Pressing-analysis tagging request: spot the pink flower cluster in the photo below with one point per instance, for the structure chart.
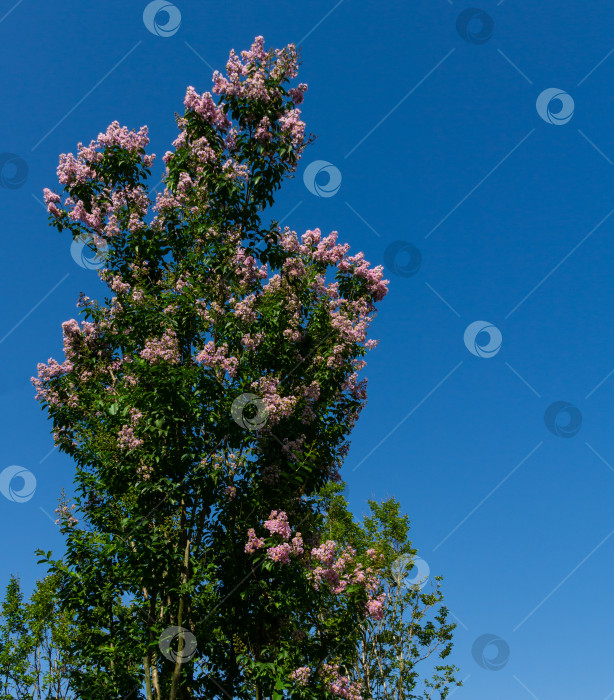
(53, 369)
(251, 343)
(235, 170)
(293, 126)
(145, 471)
(45, 373)
(337, 572)
(301, 675)
(127, 440)
(117, 135)
(77, 171)
(217, 358)
(244, 309)
(343, 571)
(163, 349)
(118, 285)
(373, 276)
(325, 250)
(341, 685)
(375, 607)
(312, 391)
(253, 542)
(297, 94)
(71, 171)
(357, 389)
(337, 684)
(206, 108)
(66, 516)
(277, 524)
(107, 204)
(203, 151)
(293, 446)
(312, 394)
(332, 571)
(278, 406)
(248, 269)
(263, 133)
(249, 77)
(76, 337)
(93, 220)
(52, 200)
(250, 69)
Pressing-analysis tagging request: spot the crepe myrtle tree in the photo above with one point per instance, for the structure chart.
(211, 395)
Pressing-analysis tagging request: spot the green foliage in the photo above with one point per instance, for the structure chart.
(34, 638)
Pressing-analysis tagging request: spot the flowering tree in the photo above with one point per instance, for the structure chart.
(205, 404)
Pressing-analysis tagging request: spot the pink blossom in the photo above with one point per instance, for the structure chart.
(340, 685)
(75, 337)
(373, 276)
(280, 553)
(251, 343)
(163, 349)
(247, 268)
(292, 125)
(297, 94)
(301, 675)
(325, 553)
(127, 439)
(217, 358)
(293, 446)
(66, 516)
(296, 545)
(278, 406)
(206, 108)
(203, 151)
(120, 136)
(117, 285)
(235, 171)
(312, 391)
(278, 522)
(253, 542)
(263, 133)
(244, 309)
(144, 471)
(375, 608)
(73, 172)
(51, 199)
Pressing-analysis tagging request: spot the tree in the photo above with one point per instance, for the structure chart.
(409, 629)
(212, 395)
(33, 638)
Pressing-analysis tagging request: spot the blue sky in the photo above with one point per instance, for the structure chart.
(439, 144)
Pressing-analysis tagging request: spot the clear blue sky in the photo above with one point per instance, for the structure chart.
(439, 144)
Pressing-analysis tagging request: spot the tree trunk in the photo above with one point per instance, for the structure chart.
(182, 604)
(147, 676)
